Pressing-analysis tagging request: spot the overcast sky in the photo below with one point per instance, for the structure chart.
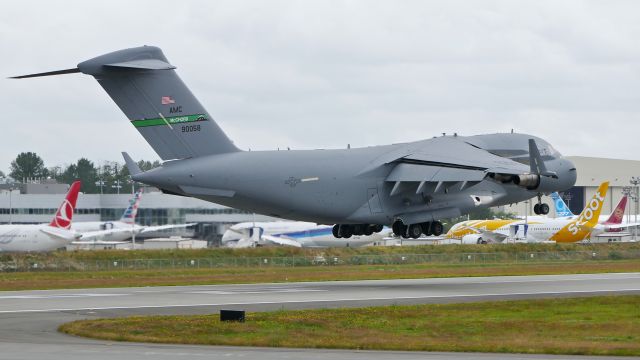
(321, 74)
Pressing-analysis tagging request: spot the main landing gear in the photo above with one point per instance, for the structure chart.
(415, 230)
(540, 208)
(348, 230)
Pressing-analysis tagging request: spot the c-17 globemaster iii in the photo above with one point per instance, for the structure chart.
(410, 186)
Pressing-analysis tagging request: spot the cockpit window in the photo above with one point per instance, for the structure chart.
(549, 150)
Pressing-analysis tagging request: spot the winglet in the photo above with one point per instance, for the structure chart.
(536, 162)
(133, 167)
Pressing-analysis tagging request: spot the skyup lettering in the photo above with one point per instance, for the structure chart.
(587, 214)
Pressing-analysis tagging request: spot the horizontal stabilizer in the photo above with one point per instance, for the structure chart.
(48, 73)
(146, 64)
(133, 167)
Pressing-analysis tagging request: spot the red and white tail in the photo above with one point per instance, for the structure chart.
(64, 215)
(618, 213)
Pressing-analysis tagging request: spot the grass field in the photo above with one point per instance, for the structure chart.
(598, 326)
(291, 251)
(235, 275)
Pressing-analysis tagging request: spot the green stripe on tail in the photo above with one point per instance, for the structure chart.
(171, 120)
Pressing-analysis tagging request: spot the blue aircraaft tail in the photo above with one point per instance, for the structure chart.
(147, 89)
(562, 210)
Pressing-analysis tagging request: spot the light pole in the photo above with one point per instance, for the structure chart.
(567, 197)
(635, 181)
(526, 220)
(133, 223)
(10, 204)
(117, 186)
(626, 191)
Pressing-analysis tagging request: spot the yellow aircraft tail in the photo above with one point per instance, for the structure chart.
(580, 228)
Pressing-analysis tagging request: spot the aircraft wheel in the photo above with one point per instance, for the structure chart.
(426, 228)
(544, 209)
(377, 228)
(336, 231)
(358, 229)
(398, 228)
(415, 230)
(368, 230)
(437, 228)
(536, 209)
(346, 231)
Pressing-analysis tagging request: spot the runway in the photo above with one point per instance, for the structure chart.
(28, 319)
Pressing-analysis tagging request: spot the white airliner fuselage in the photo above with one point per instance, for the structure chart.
(291, 233)
(33, 238)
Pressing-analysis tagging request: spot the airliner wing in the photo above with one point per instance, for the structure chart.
(620, 226)
(90, 236)
(165, 227)
(488, 234)
(281, 241)
(60, 233)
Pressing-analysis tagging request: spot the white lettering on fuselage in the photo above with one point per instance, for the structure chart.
(587, 214)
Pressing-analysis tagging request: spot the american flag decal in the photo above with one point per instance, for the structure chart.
(166, 100)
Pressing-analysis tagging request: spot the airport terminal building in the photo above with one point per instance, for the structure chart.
(36, 203)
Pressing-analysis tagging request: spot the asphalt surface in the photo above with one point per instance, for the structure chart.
(29, 319)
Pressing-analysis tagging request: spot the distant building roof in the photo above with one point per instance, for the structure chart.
(594, 170)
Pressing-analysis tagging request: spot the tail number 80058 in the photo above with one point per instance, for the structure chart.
(190, 128)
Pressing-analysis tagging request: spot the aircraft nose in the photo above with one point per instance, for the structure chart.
(230, 235)
(570, 174)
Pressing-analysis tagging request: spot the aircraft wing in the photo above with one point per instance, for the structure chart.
(444, 164)
(91, 236)
(60, 233)
(620, 226)
(488, 234)
(165, 227)
(281, 241)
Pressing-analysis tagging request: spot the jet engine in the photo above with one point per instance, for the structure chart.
(473, 239)
(534, 182)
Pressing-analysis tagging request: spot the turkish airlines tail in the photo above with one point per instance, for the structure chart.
(64, 215)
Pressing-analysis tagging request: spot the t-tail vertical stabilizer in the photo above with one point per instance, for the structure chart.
(148, 90)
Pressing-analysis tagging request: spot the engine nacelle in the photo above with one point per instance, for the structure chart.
(473, 239)
(536, 182)
(529, 181)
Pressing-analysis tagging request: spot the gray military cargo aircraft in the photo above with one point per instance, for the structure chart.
(410, 186)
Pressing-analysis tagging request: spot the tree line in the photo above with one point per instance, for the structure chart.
(108, 178)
